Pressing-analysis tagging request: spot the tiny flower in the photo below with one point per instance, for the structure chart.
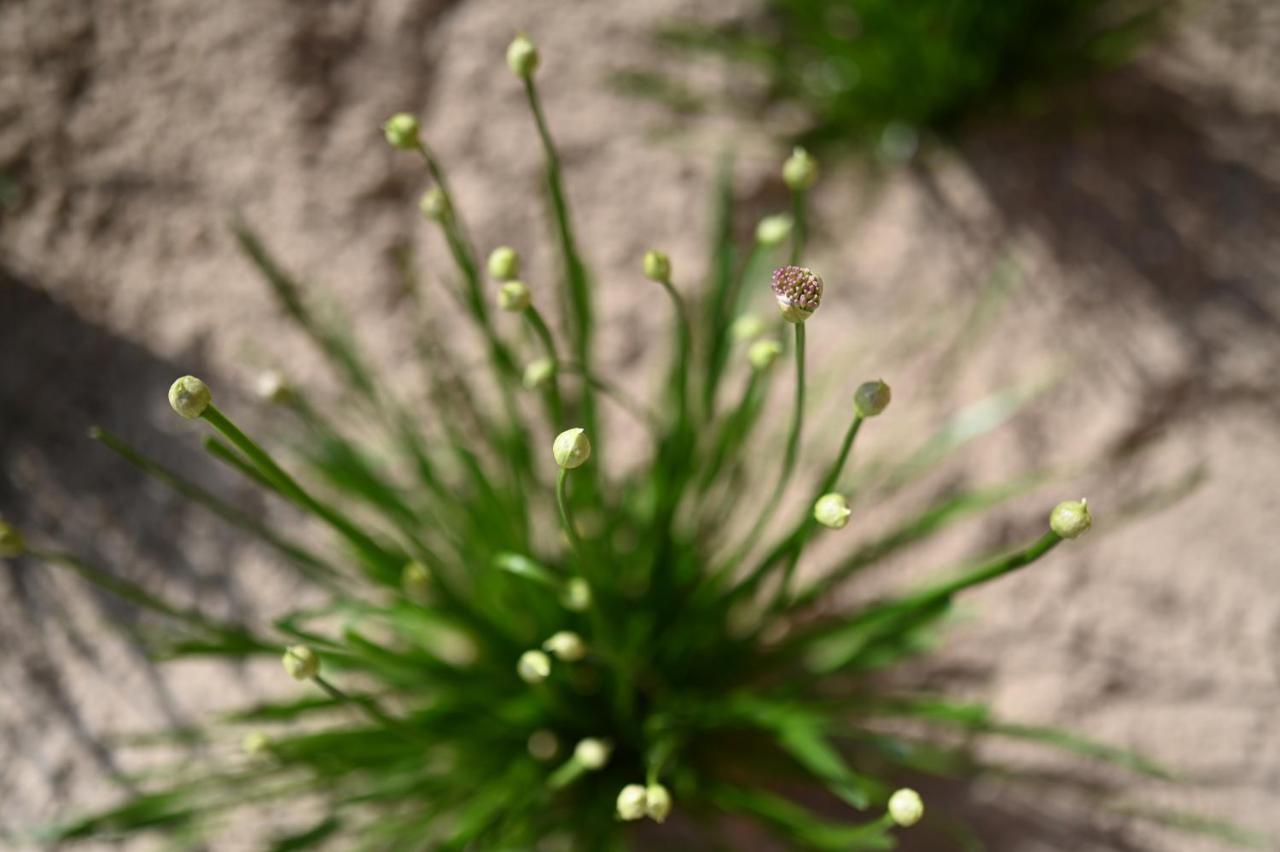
(773, 231)
(271, 387)
(566, 645)
(301, 662)
(416, 581)
(571, 448)
(402, 131)
(906, 807)
(800, 170)
(513, 296)
(543, 744)
(798, 290)
(189, 397)
(11, 542)
(592, 753)
(657, 802)
(746, 328)
(504, 263)
(522, 57)
(435, 204)
(763, 353)
(539, 373)
(832, 510)
(533, 666)
(1071, 519)
(631, 802)
(577, 595)
(657, 267)
(256, 743)
(871, 398)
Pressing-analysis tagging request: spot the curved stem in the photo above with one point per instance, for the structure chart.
(548, 343)
(566, 516)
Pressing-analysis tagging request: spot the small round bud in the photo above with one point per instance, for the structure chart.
(533, 666)
(571, 448)
(256, 743)
(416, 581)
(773, 231)
(800, 170)
(513, 296)
(435, 205)
(592, 753)
(657, 802)
(746, 328)
(657, 267)
(189, 397)
(504, 263)
(763, 353)
(1071, 519)
(522, 57)
(798, 290)
(631, 802)
(566, 645)
(12, 543)
(301, 662)
(271, 387)
(539, 373)
(402, 131)
(906, 808)
(543, 744)
(577, 595)
(871, 398)
(832, 510)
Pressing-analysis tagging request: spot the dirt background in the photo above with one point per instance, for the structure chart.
(1141, 214)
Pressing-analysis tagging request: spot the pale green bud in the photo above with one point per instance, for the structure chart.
(416, 581)
(435, 205)
(566, 645)
(631, 802)
(504, 263)
(272, 387)
(773, 231)
(256, 743)
(571, 448)
(746, 328)
(301, 662)
(533, 666)
(189, 397)
(906, 808)
(539, 373)
(522, 56)
(763, 353)
(1071, 519)
(543, 744)
(832, 510)
(577, 595)
(657, 267)
(657, 802)
(800, 170)
(592, 753)
(402, 131)
(513, 296)
(12, 543)
(871, 398)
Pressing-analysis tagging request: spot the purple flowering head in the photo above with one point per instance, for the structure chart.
(798, 290)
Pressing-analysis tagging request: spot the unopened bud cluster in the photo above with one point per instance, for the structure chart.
(798, 291)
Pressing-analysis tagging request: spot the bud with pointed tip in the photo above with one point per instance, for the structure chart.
(504, 263)
(871, 398)
(577, 595)
(416, 581)
(1071, 519)
(539, 373)
(657, 267)
(513, 296)
(773, 231)
(256, 743)
(746, 328)
(12, 543)
(522, 57)
(798, 290)
(402, 131)
(301, 662)
(763, 353)
(566, 645)
(800, 170)
(657, 802)
(592, 753)
(435, 205)
(189, 397)
(832, 510)
(533, 666)
(571, 448)
(631, 802)
(906, 808)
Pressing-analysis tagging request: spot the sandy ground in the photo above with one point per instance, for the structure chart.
(1142, 218)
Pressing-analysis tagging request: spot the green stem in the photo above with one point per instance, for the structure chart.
(369, 707)
(540, 328)
(800, 227)
(626, 402)
(566, 517)
(685, 344)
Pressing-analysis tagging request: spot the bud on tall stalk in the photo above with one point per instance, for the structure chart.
(798, 291)
(189, 397)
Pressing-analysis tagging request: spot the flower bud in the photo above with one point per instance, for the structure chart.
(763, 353)
(798, 290)
(416, 581)
(271, 387)
(746, 328)
(435, 205)
(1071, 519)
(189, 397)
(657, 802)
(832, 510)
(657, 267)
(571, 448)
(11, 542)
(773, 231)
(577, 595)
(256, 743)
(543, 744)
(592, 753)
(631, 802)
(513, 296)
(301, 662)
(906, 807)
(504, 263)
(522, 56)
(533, 666)
(402, 131)
(871, 398)
(800, 170)
(539, 373)
(566, 645)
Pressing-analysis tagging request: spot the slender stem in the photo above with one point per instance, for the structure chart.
(123, 589)
(540, 328)
(566, 516)
(800, 226)
(733, 431)
(367, 706)
(685, 337)
(626, 402)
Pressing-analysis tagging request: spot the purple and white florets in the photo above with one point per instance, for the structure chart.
(799, 292)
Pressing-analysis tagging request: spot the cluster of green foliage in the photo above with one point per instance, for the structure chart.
(518, 649)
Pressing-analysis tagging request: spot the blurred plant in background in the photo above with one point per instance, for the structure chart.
(516, 646)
